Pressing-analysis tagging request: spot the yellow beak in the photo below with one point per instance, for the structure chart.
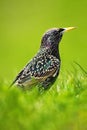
(69, 28)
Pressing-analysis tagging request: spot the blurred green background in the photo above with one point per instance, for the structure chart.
(22, 24)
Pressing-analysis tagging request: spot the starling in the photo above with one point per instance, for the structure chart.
(44, 68)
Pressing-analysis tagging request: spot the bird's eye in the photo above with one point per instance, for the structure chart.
(61, 30)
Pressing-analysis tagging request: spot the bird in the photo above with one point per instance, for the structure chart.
(43, 69)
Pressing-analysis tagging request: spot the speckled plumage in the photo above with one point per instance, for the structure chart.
(44, 68)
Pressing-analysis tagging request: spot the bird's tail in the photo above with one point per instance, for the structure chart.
(16, 79)
(12, 83)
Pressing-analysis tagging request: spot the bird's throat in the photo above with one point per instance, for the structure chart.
(55, 51)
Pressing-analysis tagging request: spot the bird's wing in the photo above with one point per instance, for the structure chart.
(38, 69)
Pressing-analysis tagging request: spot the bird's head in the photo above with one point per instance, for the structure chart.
(53, 36)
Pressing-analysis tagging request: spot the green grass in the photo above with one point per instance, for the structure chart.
(63, 107)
